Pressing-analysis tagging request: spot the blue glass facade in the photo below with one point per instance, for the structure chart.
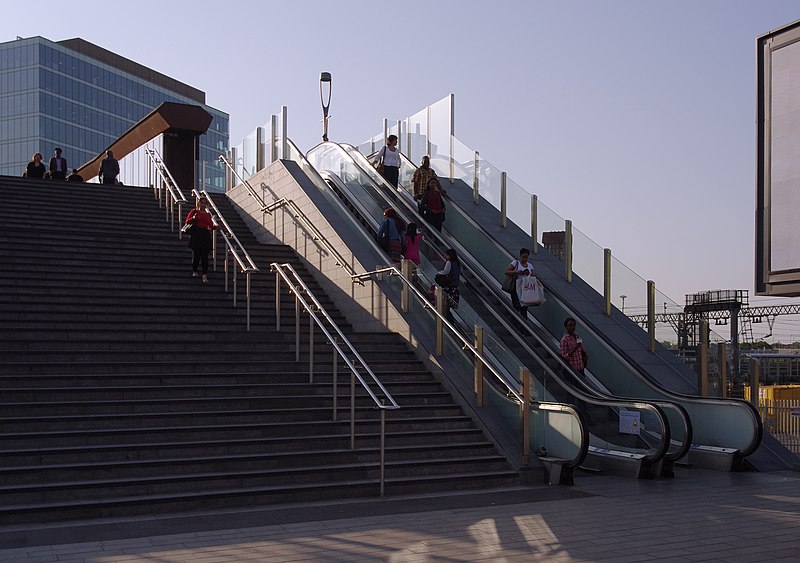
(53, 96)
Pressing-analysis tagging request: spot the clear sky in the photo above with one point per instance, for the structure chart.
(635, 119)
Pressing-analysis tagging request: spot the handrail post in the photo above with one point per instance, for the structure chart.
(440, 307)
(235, 276)
(479, 366)
(405, 266)
(310, 348)
(352, 410)
(525, 377)
(651, 315)
(702, 359)
(534, 223)
(247, 275)
(503, 201)
(452, 107)
(180, 215)
(296, 326)
(226, 270)
(607, 281)
(383, 450)
(277, 301)
(568, 250)
(335, 381)
(214, 248)
(476, 179)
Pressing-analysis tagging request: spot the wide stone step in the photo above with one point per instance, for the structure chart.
(251, 496)
(220, 430)
(409, 445)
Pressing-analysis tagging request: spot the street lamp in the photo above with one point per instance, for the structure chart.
(325, 89)
(623, 297)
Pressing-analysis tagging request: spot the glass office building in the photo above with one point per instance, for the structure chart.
(80, 97)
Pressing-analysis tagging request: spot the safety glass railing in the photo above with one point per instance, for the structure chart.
(344, 352)
(233, 249)
(165, 189)
(329, 157)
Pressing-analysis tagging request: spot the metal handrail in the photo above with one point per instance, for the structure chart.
(245, 262)
(393, 271)
(228, 234)
(176, 195)
(318, 236)
(280, 273)
(250, 189)
(392, 403)
(297, 212)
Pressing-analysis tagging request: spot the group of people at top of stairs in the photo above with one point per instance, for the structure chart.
(57, 169)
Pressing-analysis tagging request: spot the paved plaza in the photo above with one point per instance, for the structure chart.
(697, 516)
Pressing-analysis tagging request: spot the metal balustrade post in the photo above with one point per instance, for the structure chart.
(335, 381)
(428, 131)
(568, 250)
(405, 268)
(284, 132)
(180, 219)
(226, 271)
(476, 179)
(352, 410)
(441, 308)
(607, 281)
(273, 152)
(310, 348)
(247, 275)
(452, 116)
(385, 131)
(534, 224)
(214, 249)
(235, 276)
(651, 315)
(399, 136)
(383, 450)
(277, 301)
(479, 366)
(503, 201)
(525, 377)
(408, 143)
(296, 326)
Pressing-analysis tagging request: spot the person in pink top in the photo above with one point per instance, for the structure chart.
(413, 238)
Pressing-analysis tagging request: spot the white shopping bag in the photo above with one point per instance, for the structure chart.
(529, 291)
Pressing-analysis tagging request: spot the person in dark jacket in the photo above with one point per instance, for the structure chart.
(58, 166)
(200, 241)
(35, 168)
(109, 169)
(432, 205)
(74, 177)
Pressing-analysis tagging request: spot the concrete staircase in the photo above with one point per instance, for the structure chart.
(128, 387)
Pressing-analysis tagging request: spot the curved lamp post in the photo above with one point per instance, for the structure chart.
(623, 297)
(325, 89)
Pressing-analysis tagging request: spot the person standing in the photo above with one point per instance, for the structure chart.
(35, 168)
(413, 238)
(572, 347)
(58, 166)
(200, 241)
(449, 279)
(517, 268)
(74, 177)
(109, 169)
(422, 176)
(390, 234)
(432, 205)
(389, 158)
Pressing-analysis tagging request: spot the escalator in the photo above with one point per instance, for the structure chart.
(649, 449)
(726, 431)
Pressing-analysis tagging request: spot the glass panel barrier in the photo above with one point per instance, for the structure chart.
(418, 133)
(439, 133)
(518, 204)
(463, 163)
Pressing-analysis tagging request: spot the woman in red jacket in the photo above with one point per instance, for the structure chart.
(200, 236)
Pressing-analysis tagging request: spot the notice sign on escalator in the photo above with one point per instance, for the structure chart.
(629, 422)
